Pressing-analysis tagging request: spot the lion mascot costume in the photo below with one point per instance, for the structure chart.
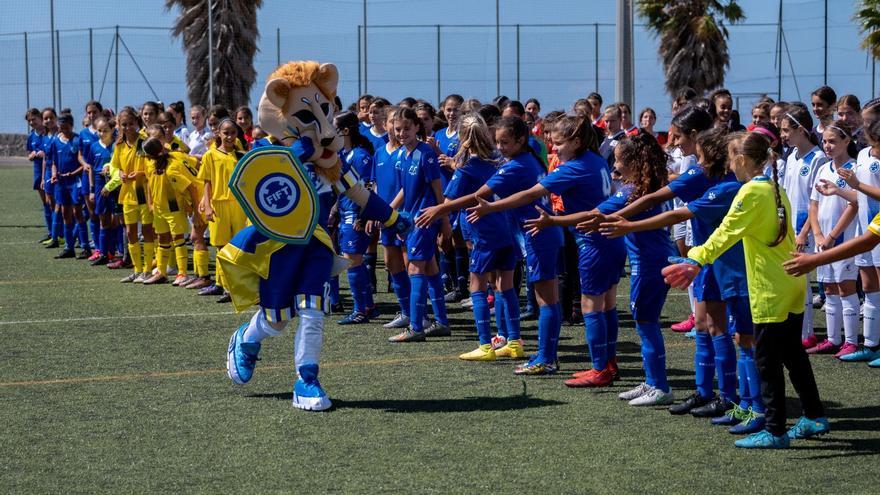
(284, 260)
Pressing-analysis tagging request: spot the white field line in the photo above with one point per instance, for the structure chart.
(115, 317)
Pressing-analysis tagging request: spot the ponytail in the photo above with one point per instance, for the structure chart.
(578, 127)
(154, 149)
(756, 147)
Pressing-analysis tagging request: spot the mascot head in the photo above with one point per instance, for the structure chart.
(299, 101)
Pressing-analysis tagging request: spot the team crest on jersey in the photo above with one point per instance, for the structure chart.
(277, 194)
(712, 196)
(416, 155)
(692, 171)
(805, 171)
(874, 168)
(841, 182)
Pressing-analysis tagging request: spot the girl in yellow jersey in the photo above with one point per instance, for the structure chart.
(171, 140)
(776, 299)
(128, 159)
(223, 213)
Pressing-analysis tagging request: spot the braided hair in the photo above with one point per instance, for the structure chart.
(756, 147)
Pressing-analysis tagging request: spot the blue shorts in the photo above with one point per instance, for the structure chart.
(105, 205)
(421, 244)
(49, 188)
(599, 266)
(67, 193)
(84, 185)
(488, 260)
(351, 241)
(647, 296)
(739, 315)
(466, 232)
(387, 237)
(705, 285)
(38, 175)
(297, 275)
(542, 262)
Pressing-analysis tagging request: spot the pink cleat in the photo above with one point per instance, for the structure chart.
(810, 342)
(685, 326)
(824, 347)
(846, 349)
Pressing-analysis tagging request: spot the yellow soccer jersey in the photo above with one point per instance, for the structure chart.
(177, 144)
(162, 194)
(217, 168)
(874, 226)
(182, 173)
(128, 158)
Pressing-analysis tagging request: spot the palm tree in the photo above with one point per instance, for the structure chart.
(868, 18)
(235, 37)
(693, 40)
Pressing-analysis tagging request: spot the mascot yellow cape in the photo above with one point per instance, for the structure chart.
(284, 260)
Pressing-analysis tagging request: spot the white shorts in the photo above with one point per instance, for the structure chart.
(838, 271)
(689, 236)
(868, 258)
(679, 231)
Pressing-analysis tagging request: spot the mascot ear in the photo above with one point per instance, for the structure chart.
(277, 90)
(328, 80)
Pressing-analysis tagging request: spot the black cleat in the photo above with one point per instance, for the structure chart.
(693, 401)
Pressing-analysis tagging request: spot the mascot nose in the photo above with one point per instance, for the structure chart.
(326, 141)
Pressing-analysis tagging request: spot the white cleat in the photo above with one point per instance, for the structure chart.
(637, 392)
(655, 397)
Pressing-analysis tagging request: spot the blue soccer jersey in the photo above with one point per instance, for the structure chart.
(35, 144)
(362, 163)
(385, 173)
(418, 169)
(64, 155)
(448, 145)
(493, 230)
(710, 209)
(100, 156)
(47, 149)
(378, 142)
(649, 250)
(86, 138)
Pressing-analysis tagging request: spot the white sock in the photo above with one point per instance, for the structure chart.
(871, 320)
(309, 337)
(259, 328)
(807, 329)
(691, 297)
(851, 318)
(834, 317)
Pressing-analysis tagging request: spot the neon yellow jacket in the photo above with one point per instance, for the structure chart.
(752, 218)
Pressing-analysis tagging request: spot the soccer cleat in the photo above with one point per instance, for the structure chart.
(45, 239)
(818, 301)
(592, 379)
(468, 304)
(225, 298)
(810, 342)
(180, 280)
(157, 278)
(307, 392)
(535, 368)
(846, 349)
(140, 278)
(52, 244)
(408, 335)
(95, 255)
(763, 440)
(453, 296)
(862, 354)
(498, 342)
(400, 321)
(241, 357)
(211, 290)
(129, 278)
(753, 423)
(692, 401)
(528, 314)
(824, 347)
(438, 330)
(513, 349)
(115, 264)
(685, 326)
(875, 363)
(482, 353)
(374, 312)
(354, 318)
(734, 416)
(640, 390)
(85, 254)
(717, 407)
(691, 334)
(199, 283)
(615, 370)
(67, 253)
(654, 397)
(806, 428)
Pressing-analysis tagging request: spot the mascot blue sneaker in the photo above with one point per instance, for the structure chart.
(307, 391)
(241, 357)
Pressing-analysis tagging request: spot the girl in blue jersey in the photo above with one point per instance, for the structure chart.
(518, 183)
(63, 160)
(583, 181)
(357, 154)
(420, 188)
(641, 163)
(50, 124)
(105, 202)
(377, 132)
(87, 137)
(493, 251)
(35, 153)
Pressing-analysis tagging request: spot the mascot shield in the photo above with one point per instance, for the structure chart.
(276, 194)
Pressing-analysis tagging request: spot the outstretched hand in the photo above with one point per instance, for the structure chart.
(799, 264)
(482, 209)
(615, 226)
(428, 215)
(681, 272)
(535, 225)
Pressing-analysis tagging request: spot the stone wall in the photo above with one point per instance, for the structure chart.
(13, 144)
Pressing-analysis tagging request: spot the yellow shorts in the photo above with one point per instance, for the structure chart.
(174, 222)
(137, 214)
(229, 218)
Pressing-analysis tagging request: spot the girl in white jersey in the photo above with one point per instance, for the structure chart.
(801, 167)
(832, 218)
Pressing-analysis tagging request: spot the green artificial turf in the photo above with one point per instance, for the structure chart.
(106, 387)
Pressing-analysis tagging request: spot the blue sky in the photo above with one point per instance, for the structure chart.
(557, 64)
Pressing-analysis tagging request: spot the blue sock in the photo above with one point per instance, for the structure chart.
(597, 339)
(743, 380)
(704, 365)
(531, 300)
(57, 225)
(47, 218)
(68, 236)
(104, 241)
(556, 326)
(482, 318)
(754, 379)
(725, 366)
(368, 288)
(400, 284)
(545, 334)
(83, 235)
(95, 227)
(435, 291)
(653, 354)
(121, 240)
(501, 315)
(511, 312)
(357, 281)
(611, 327)
(417, 297)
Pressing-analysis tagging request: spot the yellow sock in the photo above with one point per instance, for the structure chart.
(134, 250)
(182, 256)
(149, 254)
(220, 278)
(162, 258)
(200, 263)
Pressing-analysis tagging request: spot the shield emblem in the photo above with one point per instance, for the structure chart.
(275, 191)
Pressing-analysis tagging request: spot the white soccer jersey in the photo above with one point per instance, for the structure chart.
(868, 172)
(800, 175)
(831, 207)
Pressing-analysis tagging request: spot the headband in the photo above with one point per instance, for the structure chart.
(845, 134)
(766, 132)
(796, 122)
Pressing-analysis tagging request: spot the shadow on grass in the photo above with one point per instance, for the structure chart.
(467, 404)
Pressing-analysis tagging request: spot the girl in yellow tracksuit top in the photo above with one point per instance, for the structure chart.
(776, 297)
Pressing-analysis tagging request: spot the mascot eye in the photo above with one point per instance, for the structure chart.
(325, 107)
(305, 116)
